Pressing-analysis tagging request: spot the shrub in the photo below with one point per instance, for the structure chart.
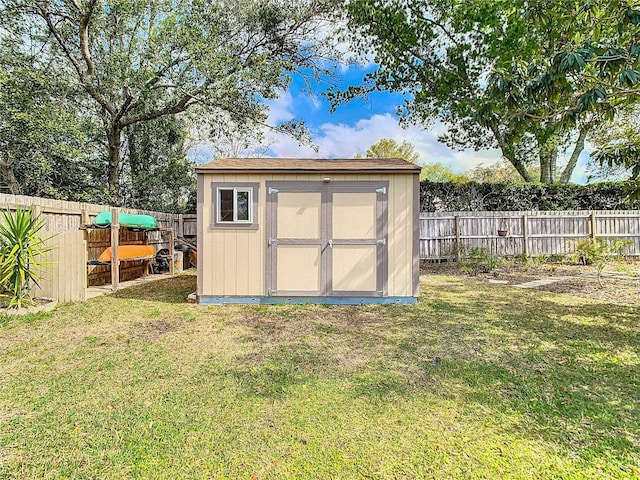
(599, 251)
(473, 196)
(480, 260)
(21, 249)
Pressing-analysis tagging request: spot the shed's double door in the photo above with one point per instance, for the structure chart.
(327, 239)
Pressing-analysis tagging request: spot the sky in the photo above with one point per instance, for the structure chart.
(352, 128)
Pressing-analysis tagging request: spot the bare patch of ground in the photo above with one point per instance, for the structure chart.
(152, 330)
(34, 305)
(620, 280)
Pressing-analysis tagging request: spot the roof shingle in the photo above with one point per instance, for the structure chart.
(310, 164)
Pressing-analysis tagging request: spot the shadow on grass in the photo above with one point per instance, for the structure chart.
(170, 290)
(567, 367)
(270, 376)
(569, 370)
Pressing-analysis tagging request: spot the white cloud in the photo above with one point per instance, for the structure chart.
(280, 109)
(341, 140)
(344, 141)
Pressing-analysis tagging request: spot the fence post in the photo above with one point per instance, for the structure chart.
(180, 226)
(115, 242)
(37, 213)
(525, 235)
(84, 217)
(592, 225)
(456, 226)
(172, 263)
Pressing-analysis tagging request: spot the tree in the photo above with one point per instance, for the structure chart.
(436, 172)
(157, 174)
(588, 73)
(389, 148)
(498, 172)
(42, 133)
(225, 139)
(504, 74)
(141, 60)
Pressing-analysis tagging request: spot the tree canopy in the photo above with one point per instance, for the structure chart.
(43, 137)
(436, 172)
(618, 143)
(529, 77)
(138, 61)
(498, 172)
(390, 148)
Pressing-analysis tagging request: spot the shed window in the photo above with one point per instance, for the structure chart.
(235, 205)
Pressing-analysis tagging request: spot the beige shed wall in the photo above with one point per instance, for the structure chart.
(232, 262)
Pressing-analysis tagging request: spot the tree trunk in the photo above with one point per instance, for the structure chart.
(134, 161)
(553, 161)
(6, 172)
(545, 164)
(114, 136)
(573, 160)
(522, 170)
(509, 154)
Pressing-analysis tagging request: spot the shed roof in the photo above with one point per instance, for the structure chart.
(390, 165)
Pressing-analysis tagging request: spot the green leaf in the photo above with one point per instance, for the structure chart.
(633, 16)
(21, 249)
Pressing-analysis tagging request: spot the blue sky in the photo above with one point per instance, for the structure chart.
(355, 126)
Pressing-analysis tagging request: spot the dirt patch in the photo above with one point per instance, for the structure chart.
(35, 306)
(620, 280)
(152, 330)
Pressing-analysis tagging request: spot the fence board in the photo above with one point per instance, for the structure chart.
(64, 272)
(545, 233)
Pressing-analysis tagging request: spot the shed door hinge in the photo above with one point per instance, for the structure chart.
(272, 241)
(381, 241)
(382, 190)
(380, 292)
(271, 292)
(273, 190)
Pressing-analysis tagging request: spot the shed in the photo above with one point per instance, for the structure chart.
(275, 230)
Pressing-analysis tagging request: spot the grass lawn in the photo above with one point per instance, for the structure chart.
(476, 381)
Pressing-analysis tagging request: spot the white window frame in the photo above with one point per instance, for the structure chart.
(235, 220)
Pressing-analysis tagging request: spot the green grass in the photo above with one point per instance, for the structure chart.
(476, 381)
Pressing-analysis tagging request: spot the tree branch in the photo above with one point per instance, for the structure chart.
(6, 173)
(180, 106)
(84, 37)
(506, 150)
(84, 80)
(123, 109)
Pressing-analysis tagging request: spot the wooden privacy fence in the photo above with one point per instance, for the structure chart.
(64, 216)
(450, 235)
(65, 276)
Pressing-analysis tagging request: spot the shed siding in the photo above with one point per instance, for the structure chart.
(400, 235)
(232, 262)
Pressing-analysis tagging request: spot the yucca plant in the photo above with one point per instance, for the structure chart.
(21, 253)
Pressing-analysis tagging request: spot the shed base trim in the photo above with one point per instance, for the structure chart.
(258, 300)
